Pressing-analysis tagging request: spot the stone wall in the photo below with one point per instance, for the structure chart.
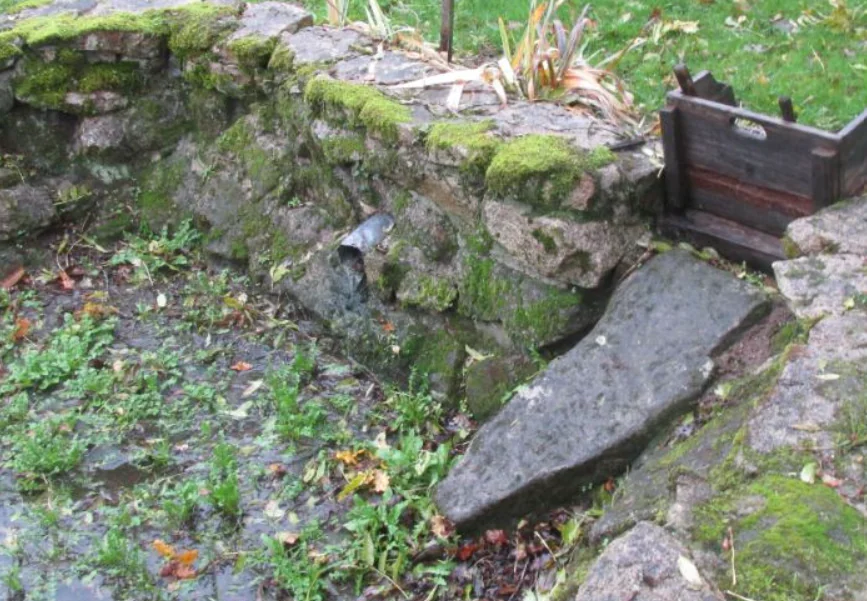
(280, 137)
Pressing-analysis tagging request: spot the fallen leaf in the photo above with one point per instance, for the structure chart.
(277, 470)
(252, 388)
(381, 481)
(188, 557)
(441, 526)
(66, 282)
(241, 366)
(467, 551)
(360, 479)
(349, 457)
(184, 572)
(689, 572)
(163, 548)
(287, 538)
(496, 537)
(22, 328)
(162, 301)
(610, 486)
(273, 511)
(808, 473)
(388, 327)
(831, 481)
(10, 281)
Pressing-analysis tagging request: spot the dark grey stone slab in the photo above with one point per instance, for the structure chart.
(592, 410)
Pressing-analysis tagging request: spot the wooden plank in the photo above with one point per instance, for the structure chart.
(732, 240)
(676, 191)
(781, 160)
(853, 155)
(710, 89)
(826, 178)
(767, 210)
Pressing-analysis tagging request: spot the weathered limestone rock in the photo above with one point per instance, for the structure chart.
(840, 228)
(828, 377)
(24, 209)
(320, 44)
(270, 19)
(592, 410)
(646, 564)
(96, 134)
(580, 253)
(824, 284)
(491, 379)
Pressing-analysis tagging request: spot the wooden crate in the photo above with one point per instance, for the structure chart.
(735, 179)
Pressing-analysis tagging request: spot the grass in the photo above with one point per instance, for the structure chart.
(743, 43)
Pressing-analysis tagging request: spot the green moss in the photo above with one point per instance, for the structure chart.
(27, 5)
(125, 78)
(341, 150)
(481, 295)
(44, 85)
(790, 249)
(541, 170)
(198, 30)
(8, 48)
(431, 293)
(547, 242)
(40, 31)
(362, 106)
(536, 323)
(794, 540)
(240, 140)
(252, 52)
(793, 332)
(158, 186)
(282, 60)
(472, 138)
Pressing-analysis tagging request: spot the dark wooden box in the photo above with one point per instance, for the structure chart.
(735, 179)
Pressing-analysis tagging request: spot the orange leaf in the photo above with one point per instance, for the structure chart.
(22, 327)
(348, 457)
(467, 551)
(10, 281)
(381, 481)
(241, 366)
(183, 572)
(188, 558)
(388, 327)
(163, 548)
(66, 282)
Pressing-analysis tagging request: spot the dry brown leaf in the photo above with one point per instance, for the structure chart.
(287, 538)
(349, 457)
(441, 526)
(163, 548)
(66, 282)
(187, 557)
(22, 328)
(241, 366)
(381, 481)
(10, 281)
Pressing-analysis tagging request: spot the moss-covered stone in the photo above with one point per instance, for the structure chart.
(252, 52)
(259, 164)
(158, 185)
(282, 60)
(537, 322)
(199, 29)
(360, 105)
(40, 31)
(541, 170)
(474, 139)
(341, 150)
(793, 539)
(428, 292)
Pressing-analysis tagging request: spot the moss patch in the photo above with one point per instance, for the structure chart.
(360, 105)
(540, 170)
(340, 150)
(252, 52)
(474, 139)
(158, 186)
(429, 292)
(199, 29)
(792, 538)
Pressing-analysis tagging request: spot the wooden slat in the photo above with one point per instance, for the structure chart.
(853, 154)
(732, 240)
(710, 89)
(675, 182)
(826, 178)
(781, 161)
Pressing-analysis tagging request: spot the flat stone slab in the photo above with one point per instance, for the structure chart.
(593, 409)
(646, 564)
(822, 285)
(822, 380)
(840, 228)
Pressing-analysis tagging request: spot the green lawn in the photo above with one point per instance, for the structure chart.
(765, 48)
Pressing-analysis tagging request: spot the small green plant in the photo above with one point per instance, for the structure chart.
(122, 559)
(166, 251)
(415, 409)
(47, 450)
(69, 349)
(298, 571)
(294, 420)
(181, 503)
(225, 490)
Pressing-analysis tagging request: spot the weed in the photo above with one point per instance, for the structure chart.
(181, 503)
(299, 571)
(167, 251)
(225, 491)
(46, 451)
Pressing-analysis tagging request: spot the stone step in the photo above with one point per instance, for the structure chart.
(594, 409)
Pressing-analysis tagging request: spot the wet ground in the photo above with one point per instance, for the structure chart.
(169, 431)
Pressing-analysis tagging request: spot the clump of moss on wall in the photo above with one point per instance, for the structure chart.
(359, 105)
